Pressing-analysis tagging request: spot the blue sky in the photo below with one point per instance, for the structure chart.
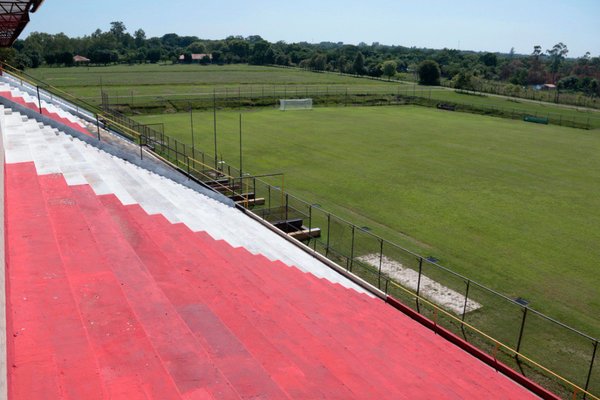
(465, 24)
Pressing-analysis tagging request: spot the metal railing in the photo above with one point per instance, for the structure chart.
(547, 351)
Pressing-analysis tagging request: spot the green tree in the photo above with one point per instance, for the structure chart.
(139, 37)
(117, 28)
(197, 48)
(359, 64)
(389, 69)
(463, 80)
(557, 55)
(489, 59)
(318, 62)
(429, 73)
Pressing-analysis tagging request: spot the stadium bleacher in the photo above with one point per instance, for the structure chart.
(123, 284)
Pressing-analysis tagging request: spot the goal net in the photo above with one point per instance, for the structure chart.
(295, 104)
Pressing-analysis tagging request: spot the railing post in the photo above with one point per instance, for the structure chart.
(309, 223)
(328, 234)
(466, 300)
(287, 202)
(521, 330)
(98, 126)
(419, 283)
(589, 375)
(351, 261)
(380, 263)
(39, 99)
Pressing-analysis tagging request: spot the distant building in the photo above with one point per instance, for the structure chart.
(197, 58)
(545, 86)
(80, 60)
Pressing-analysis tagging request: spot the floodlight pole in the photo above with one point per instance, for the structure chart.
(192, 128)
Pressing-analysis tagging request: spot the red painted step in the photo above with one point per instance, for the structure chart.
(182, 355)
(261, 343)
(122, 346)
(177, 286)
(50, 353)
(340, 363)
(242, 370)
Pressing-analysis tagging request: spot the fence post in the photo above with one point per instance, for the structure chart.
(419, 283)
(589, 376)
(309, 223)
(466, 300)
(39, 99)
(98, 126)
(287, 202)
(351, 261)
(328, 230)
(521, 330)
(380, 263)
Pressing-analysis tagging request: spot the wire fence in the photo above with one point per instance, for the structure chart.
(335, 95)
(546, 351)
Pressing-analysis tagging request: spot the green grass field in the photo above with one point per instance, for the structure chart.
(141, 85)
(510, 204)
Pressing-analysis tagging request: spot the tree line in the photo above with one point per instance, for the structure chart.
(465, 69)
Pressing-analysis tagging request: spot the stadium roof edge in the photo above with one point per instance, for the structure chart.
(14, 16)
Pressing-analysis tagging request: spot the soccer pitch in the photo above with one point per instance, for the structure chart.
(509, 204)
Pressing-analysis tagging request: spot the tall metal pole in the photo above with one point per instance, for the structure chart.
(215, 123)
(241, 159)
(192, 128)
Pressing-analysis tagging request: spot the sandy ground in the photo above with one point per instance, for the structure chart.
(430, 289)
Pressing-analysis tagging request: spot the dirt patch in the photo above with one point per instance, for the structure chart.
(430, 289)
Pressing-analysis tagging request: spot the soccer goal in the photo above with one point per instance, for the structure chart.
(295, 104)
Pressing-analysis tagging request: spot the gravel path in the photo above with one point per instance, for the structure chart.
(430, 289)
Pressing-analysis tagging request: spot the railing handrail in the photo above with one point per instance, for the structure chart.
(577, 388)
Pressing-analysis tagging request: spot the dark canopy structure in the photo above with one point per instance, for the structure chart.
(14, 16)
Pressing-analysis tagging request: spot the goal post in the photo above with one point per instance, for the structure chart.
(295, 104)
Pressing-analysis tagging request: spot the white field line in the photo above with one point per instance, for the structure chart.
(429, 288)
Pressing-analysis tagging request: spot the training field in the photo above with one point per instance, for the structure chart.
(142, 86)
(510, 204)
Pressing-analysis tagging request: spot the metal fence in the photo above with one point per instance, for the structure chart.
(248, 95)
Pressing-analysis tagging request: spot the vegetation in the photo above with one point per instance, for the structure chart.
(117, 45)
(429, 73)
